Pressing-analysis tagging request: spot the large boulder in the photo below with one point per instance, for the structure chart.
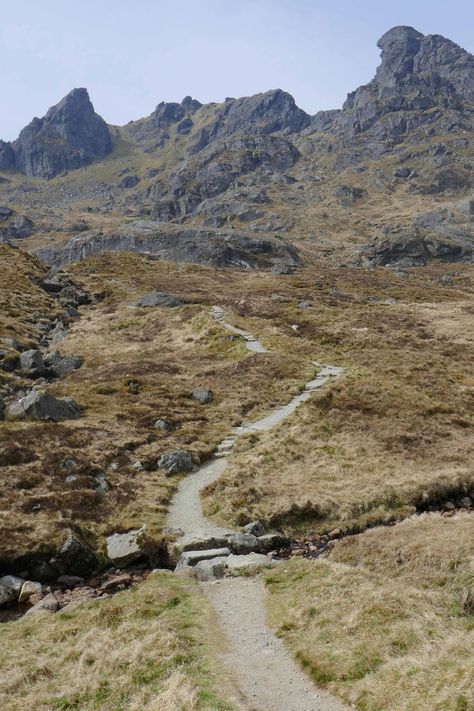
(70, 136)
(32, 362)
(178, 461)
(76, 557)
(125, 548)
(60, 366)
(39, 405)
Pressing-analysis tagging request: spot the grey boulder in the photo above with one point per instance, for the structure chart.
(202, 395)
(47, 604)
(76, 556)
(39, 405)
(7, 595)
(60, 365)
(31, 361)
(176, 462)
(207, 570)
(243, 543)
(125, 548)
(255, 528)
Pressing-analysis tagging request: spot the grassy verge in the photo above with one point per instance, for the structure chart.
(382, 622)
(144, 650)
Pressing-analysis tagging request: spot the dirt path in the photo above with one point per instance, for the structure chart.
(267, 675)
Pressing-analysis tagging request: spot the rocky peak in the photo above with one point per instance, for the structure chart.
(265, 113)
(69, 136)
(418, 66)
(399, 47)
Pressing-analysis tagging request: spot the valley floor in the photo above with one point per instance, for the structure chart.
(385, 620)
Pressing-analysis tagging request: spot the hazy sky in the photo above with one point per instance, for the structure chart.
(131, 54)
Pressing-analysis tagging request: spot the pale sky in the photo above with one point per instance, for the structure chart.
(132, 54)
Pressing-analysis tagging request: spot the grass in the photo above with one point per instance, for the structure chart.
(381, 622)
(393, 435)
(152, 648)
(139, 365)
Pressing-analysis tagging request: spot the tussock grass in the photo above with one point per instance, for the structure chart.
(146, 649)
(393, 435)
(381, 622)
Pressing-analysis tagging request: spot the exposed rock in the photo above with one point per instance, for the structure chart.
(207, 570)
(158, 298)
(129, 181)
(7, 156)
(202, 395)
(125, 548)
(195, 543)
(3, 407)
(70, 136)
(283, 269)
(48, 604)
(255, 528)
(223, 248)
(76, 556)
(7, 595)
(251, 563)
(273, 541)
(163, 424)
(58, 334)
(60, 365)
(191, 558)
(32, 362)
(13, 582)
(243, 543)
(176, 462)
(39, 405)
(17, 227)
(28, 589)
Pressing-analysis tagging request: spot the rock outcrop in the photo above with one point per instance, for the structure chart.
(422, 81)
(223, 248)
(70, 136)
(38, 405)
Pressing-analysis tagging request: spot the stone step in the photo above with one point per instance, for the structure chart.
(191, 558)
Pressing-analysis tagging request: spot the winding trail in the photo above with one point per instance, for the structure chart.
(267, 675)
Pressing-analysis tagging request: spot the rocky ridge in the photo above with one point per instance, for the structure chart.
(261, 166)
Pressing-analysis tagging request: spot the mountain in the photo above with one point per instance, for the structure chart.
(70, 136)
(329, 185)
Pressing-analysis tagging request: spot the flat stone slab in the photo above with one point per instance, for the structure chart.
(251, 563)
(191, 558)
(125, 548)
(196, 543)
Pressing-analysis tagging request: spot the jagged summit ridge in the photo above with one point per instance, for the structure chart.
(417, 73)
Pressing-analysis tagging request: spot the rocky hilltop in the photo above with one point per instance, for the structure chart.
(70, 136)
(385, 180)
